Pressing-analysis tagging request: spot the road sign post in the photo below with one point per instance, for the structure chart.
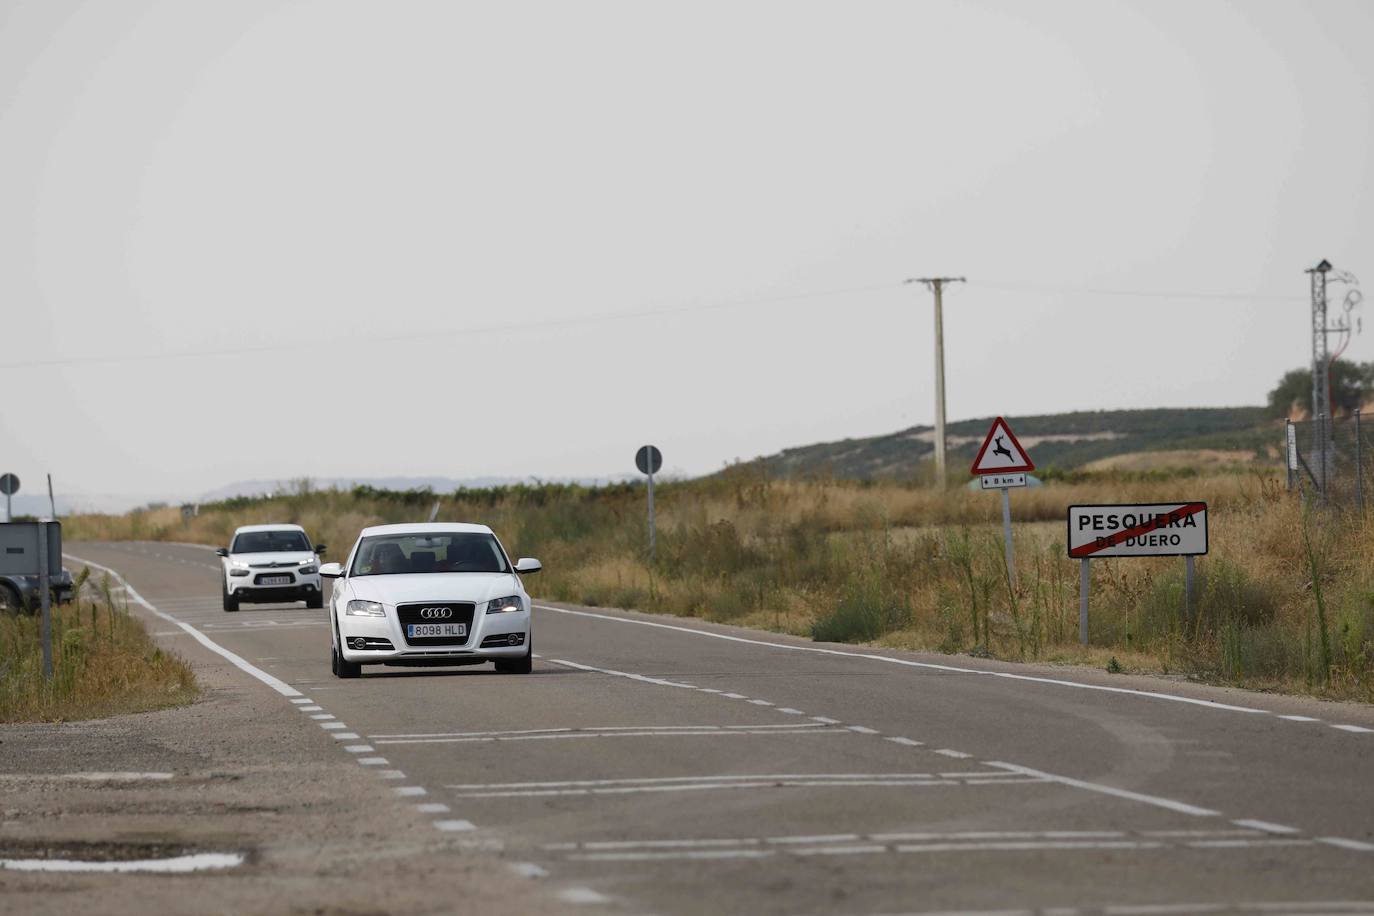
(9, 485)
(45, 600)
(1136, 530)
(1001, 465)
(649, 460)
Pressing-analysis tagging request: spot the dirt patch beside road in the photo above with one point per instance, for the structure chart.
(319, 834)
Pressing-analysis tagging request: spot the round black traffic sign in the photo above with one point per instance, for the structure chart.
(9, 484)
(648, 459)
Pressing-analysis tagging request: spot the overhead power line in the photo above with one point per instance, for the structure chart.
(1137, 293)
(431, 334)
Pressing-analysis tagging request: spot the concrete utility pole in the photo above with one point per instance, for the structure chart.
(936, 285)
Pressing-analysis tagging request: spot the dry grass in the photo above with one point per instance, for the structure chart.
(104, 663)
(909, 566)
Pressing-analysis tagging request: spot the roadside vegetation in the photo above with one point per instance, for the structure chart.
(1284, 601)
(104, 663)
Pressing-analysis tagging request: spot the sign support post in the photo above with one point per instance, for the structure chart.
(1084, 576)
(1188, 588)
(1006, 534)
(45, 599)
(653, 529)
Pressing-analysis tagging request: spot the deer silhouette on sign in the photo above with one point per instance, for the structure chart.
(1000, 449)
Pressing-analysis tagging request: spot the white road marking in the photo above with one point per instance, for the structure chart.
(1246, 844)
(301, 700)
(651, 780)
(390, 774)
(863, 730)
(580, 895)
(904, 741)
(704, 785)
(788, 710)
(320, 717)
(373, 761)
(237, 661)
(310, 708)
(1343, 843)
(1157, 801)
(761, 702)
(360, 748)
(523, 731)
(410, 790)
(827, 720)
(432, 808)
(958, 755)
(658, 681)
(1266, 826)
(346, 736)
(650, 733)
(529, 870)
(332, 726)
(454, 826)
(178, 865)
(1300, 718)
(734, 696)
(1358, 729)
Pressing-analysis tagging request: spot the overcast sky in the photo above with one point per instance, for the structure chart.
(390, 238)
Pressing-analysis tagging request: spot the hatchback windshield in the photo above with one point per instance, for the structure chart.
(400, 554)
(286, 541)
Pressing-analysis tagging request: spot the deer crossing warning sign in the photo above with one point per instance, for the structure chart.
(1001, 453)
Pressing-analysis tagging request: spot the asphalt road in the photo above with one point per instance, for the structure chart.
(656, 765)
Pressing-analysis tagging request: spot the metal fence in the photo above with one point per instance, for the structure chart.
(1331, 459)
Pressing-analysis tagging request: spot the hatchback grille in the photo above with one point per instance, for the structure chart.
(462, 612)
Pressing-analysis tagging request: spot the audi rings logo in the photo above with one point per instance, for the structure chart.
(436, 613)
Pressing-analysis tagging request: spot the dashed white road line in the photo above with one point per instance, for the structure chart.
(453, 826)
(1266, 826)
(1157, 801)
(529, 870)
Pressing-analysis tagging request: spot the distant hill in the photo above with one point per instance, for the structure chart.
(1067, 440)
(437, 484)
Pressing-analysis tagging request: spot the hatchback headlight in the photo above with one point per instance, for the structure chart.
(238, 569)
(506, 605)
(364, 609)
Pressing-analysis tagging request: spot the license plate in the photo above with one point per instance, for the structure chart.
(459, 630)
(276, 580)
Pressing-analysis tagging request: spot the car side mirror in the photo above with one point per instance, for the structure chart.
(527, 565)
(222, 552)
(332, 570)
(320, 549)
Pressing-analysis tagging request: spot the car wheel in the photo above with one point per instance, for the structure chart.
(230, 602)
(315, 601)
(9, 599)
(341, 666)
(519, 665)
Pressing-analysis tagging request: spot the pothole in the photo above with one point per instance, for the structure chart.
(80, 856)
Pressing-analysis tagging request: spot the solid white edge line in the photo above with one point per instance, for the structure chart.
(237, 661)
(1266, 826)
(1211, 704)
(1343, 843)
(1157, 801)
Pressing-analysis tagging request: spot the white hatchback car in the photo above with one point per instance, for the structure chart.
(271, 563)
(427, 595)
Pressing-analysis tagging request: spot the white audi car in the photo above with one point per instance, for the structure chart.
(271, 563)
(428, 595)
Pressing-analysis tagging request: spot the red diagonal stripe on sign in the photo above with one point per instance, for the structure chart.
(1163, 521)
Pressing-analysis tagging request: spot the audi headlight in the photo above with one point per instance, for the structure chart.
(309, 569)
(364, 609)
(505, 605)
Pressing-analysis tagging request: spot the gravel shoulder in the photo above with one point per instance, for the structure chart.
(321, 835)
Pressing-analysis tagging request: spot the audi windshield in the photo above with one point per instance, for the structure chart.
(407, 554)
(270, 542)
